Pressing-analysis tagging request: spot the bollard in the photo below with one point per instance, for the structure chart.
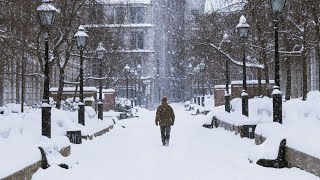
(277, 105)
(198, 100)
(227, 105)
(245, 103)
(100, 110)
(74, 137)
(46, 120)
(81, 113)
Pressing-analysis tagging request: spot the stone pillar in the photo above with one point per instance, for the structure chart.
(245, 103)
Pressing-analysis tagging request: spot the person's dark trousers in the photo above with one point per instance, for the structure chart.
(165, 134)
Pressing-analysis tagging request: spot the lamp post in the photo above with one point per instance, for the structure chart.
(100, 53)
(201, 66)
(131, 90)
(81, 39)
(46, 13)
(227, 46)
(197, 71)
(139, 71)
(126, 72)
(136, 76)
(190, 67)
(277, 7)
(243, 28)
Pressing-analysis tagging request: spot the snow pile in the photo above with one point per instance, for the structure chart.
(10, 125)
(209, 103)
(230, 118)
(260, 109)
(52, 148)
(195, 153)
(17, 153)
(90, 112)
(301, 122)
(22, 132)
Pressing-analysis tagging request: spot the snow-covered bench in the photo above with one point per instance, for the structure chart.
(301, 150)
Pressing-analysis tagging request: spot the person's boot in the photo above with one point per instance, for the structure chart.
(163, 142)
(167, 142)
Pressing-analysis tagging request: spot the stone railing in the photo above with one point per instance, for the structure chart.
(76, 137)
(243, 130)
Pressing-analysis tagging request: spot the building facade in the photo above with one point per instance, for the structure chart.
(130, 24)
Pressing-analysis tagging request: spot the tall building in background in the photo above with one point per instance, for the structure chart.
(173, 21)
(170, 47)
(130, 24)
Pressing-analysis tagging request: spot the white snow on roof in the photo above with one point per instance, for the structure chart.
(252, 82)
(220, 86)
(119, 25)
(124, 1)
(107, 91)
(72, 89)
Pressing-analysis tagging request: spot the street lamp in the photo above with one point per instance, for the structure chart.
(100, 53)
(227, 46)
(81, 39)
(136, 76)
(132, 74)
(190, 68)
(139, 71)
(197, 71)
(201, 66)
(47, 14)
(277, 7)
(126, 72)
(243, 28)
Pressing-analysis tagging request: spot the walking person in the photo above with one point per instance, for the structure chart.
(165, 118)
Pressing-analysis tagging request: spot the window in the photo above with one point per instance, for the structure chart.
(118, 40)
(137, 40)
(110, 15)
(115, 15)
(136, 15)
(120, 13)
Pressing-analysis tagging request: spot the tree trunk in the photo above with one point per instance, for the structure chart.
(288, 47)
(304, 75)
(1, 87)
(60, 88)
(259, 82)
(315, 9)
(18, 82)
(23, 81)
(288, 87)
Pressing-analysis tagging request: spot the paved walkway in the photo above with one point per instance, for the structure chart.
(195, 153)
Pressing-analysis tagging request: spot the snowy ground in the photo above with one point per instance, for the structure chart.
(195, 153)
(20, 135)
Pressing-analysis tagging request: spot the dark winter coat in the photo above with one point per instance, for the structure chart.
(165, 115)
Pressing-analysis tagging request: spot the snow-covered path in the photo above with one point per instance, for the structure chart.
(195, 153)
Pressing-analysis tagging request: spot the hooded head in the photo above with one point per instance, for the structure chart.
(164, 100)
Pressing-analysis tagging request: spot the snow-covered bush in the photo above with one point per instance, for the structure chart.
(70, 105)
